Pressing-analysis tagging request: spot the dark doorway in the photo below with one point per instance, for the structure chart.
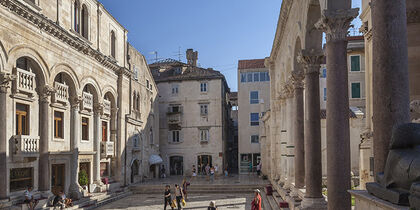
(176, 165)
(152, 170)
(57, 178)
(134, 170)
(202, 161)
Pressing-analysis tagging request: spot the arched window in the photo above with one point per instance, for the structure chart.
(76, 17)
(134, 101)
(85, 22)
(113, 44)
(138, 102)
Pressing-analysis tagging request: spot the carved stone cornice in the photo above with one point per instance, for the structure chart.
(75, 101)
(52, 28)
(413, 15)
(336, 23)
(5, 80)
(287, 89)
(297, 79)
(46, 92)
(286, 6)
(364, 29)
(311, 60)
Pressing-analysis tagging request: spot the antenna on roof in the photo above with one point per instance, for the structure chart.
(179, 54)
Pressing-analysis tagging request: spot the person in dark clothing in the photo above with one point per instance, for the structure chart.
(168, 197)
(179, 195)
(212, 206)
(59, 201)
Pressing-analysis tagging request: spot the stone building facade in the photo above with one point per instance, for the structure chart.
(66, 90)
(253, 92)
(194, 115)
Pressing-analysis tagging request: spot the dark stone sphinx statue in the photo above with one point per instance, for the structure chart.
(400, 181)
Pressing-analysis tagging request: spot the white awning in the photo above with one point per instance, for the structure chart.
(155, 159)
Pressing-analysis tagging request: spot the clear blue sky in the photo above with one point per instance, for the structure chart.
(222, 31)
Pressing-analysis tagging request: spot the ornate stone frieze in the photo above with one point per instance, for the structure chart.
(286, 6)
(311, 60)
(297, 79)
(413, 15)
(52, 28)
(5, 79)
(46, 92)
(336, 23)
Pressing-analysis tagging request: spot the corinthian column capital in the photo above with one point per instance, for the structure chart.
(75, 101)
(311, 60)
(336, 23)
(46, 92)
(5, 79)
(297, 79)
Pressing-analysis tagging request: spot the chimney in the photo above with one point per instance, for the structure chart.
(192, 57)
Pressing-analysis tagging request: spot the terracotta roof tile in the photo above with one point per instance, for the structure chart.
(251, 64)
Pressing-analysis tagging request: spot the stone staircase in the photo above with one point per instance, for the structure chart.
(200, 188)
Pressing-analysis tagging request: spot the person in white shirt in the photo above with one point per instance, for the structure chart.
(216, 169)
(29, 198)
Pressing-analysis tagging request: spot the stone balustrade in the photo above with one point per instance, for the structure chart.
(26, 146)
(174, 118)
(107, 149)
(107, 107)
(25, 81)
(87, 101)
(62, 92)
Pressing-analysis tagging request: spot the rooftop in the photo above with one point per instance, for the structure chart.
(251, 64)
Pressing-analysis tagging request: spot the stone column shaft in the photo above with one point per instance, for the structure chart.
(44, 169)
(336, 23)
(97, 146)
(390, 75)
(299, 131)
(4, 85)
(74, 190)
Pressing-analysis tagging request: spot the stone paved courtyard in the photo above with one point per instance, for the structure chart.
(200, 201)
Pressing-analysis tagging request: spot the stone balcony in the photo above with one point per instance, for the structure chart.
(25, 82)
(26, 146)
(62, 92)
(107, 149)
(87, 102)
(107, 107)
(174, 117)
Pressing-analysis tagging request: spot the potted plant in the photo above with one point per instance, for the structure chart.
(83, 182)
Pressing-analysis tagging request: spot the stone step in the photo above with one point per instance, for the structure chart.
(272, 202)
(265, 203)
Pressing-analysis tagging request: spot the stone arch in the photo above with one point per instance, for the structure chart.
(110, 92)
(42, 70)
(68, 70)
(298, 48)
(94, 87)
(3, 57)
(313, 37)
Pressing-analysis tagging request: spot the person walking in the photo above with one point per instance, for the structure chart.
(194, 173)
(212, 206)
(212, 174)
(162, 172)
(216, 170)
(250, 167)
(259, 168)
(179, 196)
(208, 171)
(168, 197)
(226, 172)
(185, 185)
(256, 202)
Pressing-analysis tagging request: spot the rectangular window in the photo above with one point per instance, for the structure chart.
(255, 119)
(255, 139)
(174, 89)
(104, 131)
(355, 63)
(262, 76)
(249, 77)
(267, 76)
(203, 87)
(325, 94)
(174, 109)
(175, 136)
(355, 90)
(20, 178)
(243, 77)
(85, 128)
(204, 109)
(58, 124)
(324, 73)
(22, 119)
(204, 135)
(256, 77)
(253, 97)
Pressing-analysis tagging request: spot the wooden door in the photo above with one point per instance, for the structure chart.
(57, 178)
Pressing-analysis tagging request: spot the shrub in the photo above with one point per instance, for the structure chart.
(83, 178)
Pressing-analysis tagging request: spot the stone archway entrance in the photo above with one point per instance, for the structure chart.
(134, 170)
(176, 165)
(202, 161)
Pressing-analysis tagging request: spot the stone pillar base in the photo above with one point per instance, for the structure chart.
(313, 204)
(100, 186)
(46, 194)
(75, 192)
(295, 193)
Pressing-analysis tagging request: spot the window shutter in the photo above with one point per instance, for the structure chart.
(181, 136)
(169, 136)
(181, 109)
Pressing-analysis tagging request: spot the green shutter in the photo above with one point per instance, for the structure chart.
(355, 90)
(355, 63)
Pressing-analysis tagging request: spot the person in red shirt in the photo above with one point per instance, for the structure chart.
(256, 203)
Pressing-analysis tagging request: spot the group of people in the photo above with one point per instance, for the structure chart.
(180, 196)
(59, 201)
